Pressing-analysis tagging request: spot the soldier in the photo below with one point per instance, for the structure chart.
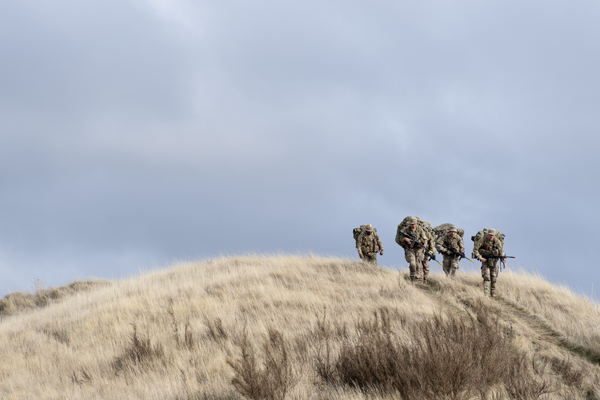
(368, 245)
(430, 243)
(450, 240)
(489, 267)
(414, 254)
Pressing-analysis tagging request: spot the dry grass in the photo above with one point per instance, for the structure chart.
(18, 302)
(287, 326)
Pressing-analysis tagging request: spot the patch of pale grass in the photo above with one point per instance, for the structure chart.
(189, 319)
(68, 349)
(574, 317)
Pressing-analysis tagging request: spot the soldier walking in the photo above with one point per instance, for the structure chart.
(368, 245)
(491, 246)
(423, 272)
(412, 253)
(450, 240)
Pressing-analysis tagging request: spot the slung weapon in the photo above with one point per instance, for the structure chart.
(458, 253)
(414, 241)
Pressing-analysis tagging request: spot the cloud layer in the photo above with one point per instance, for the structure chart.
(139, 132)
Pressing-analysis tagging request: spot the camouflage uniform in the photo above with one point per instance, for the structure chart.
(489, 268)
(423, 272)
(451, 261)
(368, 245)
(413, 255)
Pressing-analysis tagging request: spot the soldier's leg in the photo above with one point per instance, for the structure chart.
(419, 257)
(425, 268)
(493, 278)
(372, 258)
(446, 264)
(420, 270)
(454, 264)
(485, 274)
(411, 257)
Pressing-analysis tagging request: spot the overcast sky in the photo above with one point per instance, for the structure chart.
(134, 133)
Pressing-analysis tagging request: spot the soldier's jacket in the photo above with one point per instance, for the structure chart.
(493, 246)
(430, 242)
(368, 243)
(445, 241)
(418, 232)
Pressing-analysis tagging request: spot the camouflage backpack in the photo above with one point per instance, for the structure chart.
(423, 224)
(442, 229)
(480, 235)
(426, 226)
(484, 232)
(357, 231)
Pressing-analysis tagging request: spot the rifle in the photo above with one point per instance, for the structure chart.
(458, 253)
(414, 241)
(490, 256)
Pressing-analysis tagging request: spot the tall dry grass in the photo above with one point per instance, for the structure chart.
(281, 327)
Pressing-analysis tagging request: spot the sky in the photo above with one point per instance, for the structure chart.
(138, 133)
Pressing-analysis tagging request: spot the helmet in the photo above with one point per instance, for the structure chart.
(369, 228)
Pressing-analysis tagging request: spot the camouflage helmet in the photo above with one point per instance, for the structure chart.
(369, 228)
(413, 221)
(453, 229)
(492, 232)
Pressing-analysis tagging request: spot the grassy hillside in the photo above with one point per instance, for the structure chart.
(298, 328)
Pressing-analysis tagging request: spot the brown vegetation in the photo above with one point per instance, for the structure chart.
(298, 328)
(18, 302)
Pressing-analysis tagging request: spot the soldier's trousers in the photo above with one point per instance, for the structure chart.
(370, 258)
(450, 265)
(424, 267)
(489, 270)
(414, 258)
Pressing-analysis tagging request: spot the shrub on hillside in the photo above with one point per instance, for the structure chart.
(140, 353)
(270, 378)
(443, 357)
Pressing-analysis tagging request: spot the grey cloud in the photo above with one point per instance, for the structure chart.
(138, 133)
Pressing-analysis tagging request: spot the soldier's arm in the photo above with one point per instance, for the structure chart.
(476, 248)
(379, 244)
(358, 243)
(500, 248)
(461, 244)
(399, 237)
(439, 245)
(424, 237)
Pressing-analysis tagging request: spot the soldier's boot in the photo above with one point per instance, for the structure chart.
(493, 289)
(424, 278)
(486, 288)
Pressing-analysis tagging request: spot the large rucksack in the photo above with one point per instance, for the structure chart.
(357, 231)
(442, 229)
(426, 226)
(484, 232)
(481, 234)
(423, 224)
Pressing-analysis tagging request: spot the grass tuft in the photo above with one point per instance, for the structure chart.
(140, 353)
(270, 378)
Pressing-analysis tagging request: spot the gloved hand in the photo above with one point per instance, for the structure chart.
(360, 255)
(381, 252)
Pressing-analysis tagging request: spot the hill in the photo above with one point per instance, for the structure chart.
(299, 327)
